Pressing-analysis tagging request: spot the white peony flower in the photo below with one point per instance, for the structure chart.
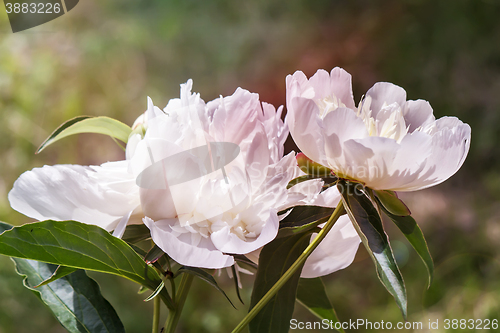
(203, 221)
(386, 143)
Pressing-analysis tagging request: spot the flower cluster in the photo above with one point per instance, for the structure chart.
(210, 180)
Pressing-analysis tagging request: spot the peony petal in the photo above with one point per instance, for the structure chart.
(297, 85)
(368, 160)
(234, 117)
(335, 252)
(228, 242)
(340, 126)
(384, 93)
(328, 198)
(450, 145)
(74, 192)
(320, 82)
(341, 86)
(417, 114)
(181, 249)
(276, 131)
(256, 156)
(305, 126)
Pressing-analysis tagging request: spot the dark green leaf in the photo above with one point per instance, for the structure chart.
(86, 124)
(312, 168)
(274, 260)
(311, 293)
(236, 282)
(414, 235)
(298, 180)
(390, 201)
(245, 260)
(368, 224)
(198, 272)
(75, 299)
(77, 245)
(154, 254)
(303, 219)
(302, 215)
(60, 272)
(135, 233)
(4, 227)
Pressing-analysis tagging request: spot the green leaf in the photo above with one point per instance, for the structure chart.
(245, 260)
(4, 227)
(299, 180)
(236, 282)
(302, 215)
(154, 254)
(60, 272)
(303, 219)
(198, 272)
(78, 245)
(390, 201)
(156, 292)
(274, 260)
(414, 235)
(135, 233)
(312, 295)
(86, 124)
(367, 222)
(74, 299)
(312, 168)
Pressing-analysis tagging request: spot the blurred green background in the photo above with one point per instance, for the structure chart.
(105, 57)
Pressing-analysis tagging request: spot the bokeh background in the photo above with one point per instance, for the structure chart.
(105, 57)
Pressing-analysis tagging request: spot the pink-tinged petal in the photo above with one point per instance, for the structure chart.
(304, 193)
(409, 163)
(320, 82)
(228, 242)
(157, 174)
(340, 126)
(341, 86)
(234, 117)
(328, 198)
(417, 114)
(368, 160)
(181, 249)
(335, 252)
(74, 192)
(256, 156)
(157, 203)
(384, 93)
(276, 131)
(305, 126)
(450, 145)
(297, 85)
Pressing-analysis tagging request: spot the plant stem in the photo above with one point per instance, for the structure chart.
(156, 314)
(339, 210)
(174, 315)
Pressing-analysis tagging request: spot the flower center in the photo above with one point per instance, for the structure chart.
(328, 104)
(389, 122)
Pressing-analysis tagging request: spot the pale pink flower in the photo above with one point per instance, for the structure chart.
(386, 143)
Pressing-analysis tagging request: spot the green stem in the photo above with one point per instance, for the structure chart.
(174, 315)
(156, 314)
(339, 210)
